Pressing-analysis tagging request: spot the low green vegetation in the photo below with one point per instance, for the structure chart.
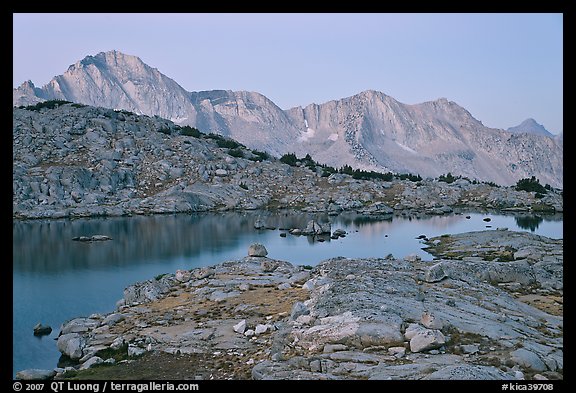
(224, 142)
(51, 104)
(190, 131)
(238, 153)
(359, 174)
(448, 178)
(259, 155)
(532, 184)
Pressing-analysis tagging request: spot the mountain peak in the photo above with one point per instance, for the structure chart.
(107, 59)
(530, 126)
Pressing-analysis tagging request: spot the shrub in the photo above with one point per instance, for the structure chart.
(244, 186)
(46, 104)
(260, 155)
(530, 184)
(448, 178)
(289, 158)
(190, 131)
(236, 153)
(228, 143)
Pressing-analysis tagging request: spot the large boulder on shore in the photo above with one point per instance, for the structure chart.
(257, 250)
(71, 345)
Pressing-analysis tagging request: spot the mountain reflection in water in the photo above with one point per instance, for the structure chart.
(56, 279)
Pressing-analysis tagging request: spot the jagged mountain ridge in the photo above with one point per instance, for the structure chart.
(369, 130)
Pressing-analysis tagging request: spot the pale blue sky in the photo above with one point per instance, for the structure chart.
(503, 68)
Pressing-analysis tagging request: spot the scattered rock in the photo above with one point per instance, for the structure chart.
(134, 350)
(397, 352)
(91, 362)
(339, 233)
(315, 228)
(240, 327)
(113, 319)
(183, 275)
(469, 348)
(260, 328)
(268, 266)
(427, 339)
(298, 309)
(435, 273)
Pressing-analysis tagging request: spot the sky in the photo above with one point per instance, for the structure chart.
(502, 68)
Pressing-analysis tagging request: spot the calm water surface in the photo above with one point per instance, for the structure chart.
(56, 279)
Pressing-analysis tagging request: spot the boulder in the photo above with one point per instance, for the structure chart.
(427, 339)
(240, 327)
(134, 350)
(42, 330)
(435, 273)
(527, 359)
(183, 275)
(71, 345)
(91, 362)
(269, 265)
(315, 228)
(298, 309)
(113, 319)
(257, 250)
(79, 325)
(260, 328)
(412, 330)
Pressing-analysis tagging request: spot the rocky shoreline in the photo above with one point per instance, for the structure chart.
(490, 306)
(78, 161)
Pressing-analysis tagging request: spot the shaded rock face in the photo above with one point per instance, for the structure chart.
(369, 130)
